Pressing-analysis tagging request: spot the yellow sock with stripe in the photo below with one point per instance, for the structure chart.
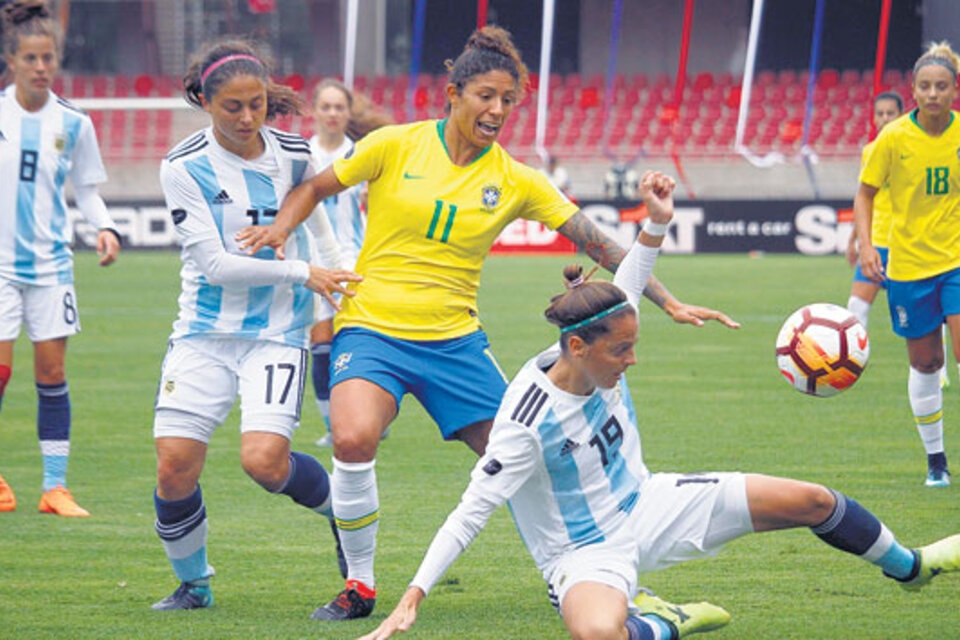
(356, 506)
(926, 401)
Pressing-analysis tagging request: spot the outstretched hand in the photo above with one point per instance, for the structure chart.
(401, 618)
(326, 282)
(683, 313)
(252, 239)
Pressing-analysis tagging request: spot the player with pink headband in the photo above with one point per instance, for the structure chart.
(244, 320)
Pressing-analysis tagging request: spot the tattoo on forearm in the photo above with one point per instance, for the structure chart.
(596, 244)
(655, 292)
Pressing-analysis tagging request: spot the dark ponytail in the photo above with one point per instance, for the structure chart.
(488, 49)
(586, 307)
(27, 18)
(218, 62)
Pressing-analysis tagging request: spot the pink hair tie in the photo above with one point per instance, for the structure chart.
(224, 60)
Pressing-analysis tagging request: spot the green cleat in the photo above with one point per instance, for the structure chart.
(942, 556)
(692, 617)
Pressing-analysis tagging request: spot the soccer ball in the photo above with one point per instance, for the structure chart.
(822, 349)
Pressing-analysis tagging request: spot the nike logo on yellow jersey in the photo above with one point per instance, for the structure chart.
(411, 176)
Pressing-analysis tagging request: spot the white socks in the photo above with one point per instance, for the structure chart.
(356, 505)
(859, 308)
(926, 400)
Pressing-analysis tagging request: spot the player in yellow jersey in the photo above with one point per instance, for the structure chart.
(917, 154)
(887, 107)
(440, 192)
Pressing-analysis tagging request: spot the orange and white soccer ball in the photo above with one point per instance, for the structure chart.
(822, 349)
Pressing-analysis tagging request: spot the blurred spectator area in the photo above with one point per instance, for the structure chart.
(641, 115)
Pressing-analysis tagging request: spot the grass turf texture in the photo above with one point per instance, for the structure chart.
(709, 399)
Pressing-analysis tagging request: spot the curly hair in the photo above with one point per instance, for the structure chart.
(488, 49)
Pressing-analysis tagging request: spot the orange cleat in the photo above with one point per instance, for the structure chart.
(8, 501)
(59, 501)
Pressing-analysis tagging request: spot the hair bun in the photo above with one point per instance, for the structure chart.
(19, 12)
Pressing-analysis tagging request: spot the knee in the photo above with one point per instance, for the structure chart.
(354, 445)
(595, 629)
(50, 372)
(818, 503)
(264, 468)
(931, 364)
(175, 480)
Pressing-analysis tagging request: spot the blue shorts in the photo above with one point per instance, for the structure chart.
(858, 274)
(458, 381)
(918, 307)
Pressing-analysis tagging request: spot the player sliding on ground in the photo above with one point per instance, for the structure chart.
(440, 192)
(565, 451)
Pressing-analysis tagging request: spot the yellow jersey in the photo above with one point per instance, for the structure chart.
(880, 229)
(923, 172)
(430, 224)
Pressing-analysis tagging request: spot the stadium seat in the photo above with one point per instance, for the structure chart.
(117, 138)
(765, 78)
(732, 97)
(638, 112)
(167, 86)
(589, 97)
(849, 77)
(703, 81)
(828, 78)
(121, 86)
(892, 77)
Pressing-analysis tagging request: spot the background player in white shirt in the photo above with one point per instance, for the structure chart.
(243, 322)
(332, 114)
(565, 451)
(43, 140)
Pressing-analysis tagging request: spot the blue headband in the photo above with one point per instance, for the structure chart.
(600, 316)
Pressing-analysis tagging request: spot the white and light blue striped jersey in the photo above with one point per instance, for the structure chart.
(571, 466)
(212, 194)
(343, 209)
(38, 150)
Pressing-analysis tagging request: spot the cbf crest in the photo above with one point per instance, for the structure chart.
(490, 198)
(342, 362)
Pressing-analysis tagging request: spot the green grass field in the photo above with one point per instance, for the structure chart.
(709, 399)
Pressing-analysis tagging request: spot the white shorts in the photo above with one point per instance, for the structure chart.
(48, 312)
(201, 379)
(679, 517)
